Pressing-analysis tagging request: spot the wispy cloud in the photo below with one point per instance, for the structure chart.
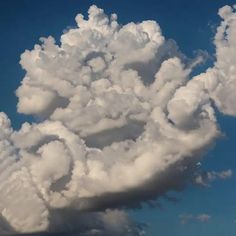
(204, 178)
(185, 218)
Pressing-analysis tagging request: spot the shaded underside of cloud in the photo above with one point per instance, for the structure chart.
(121, 122)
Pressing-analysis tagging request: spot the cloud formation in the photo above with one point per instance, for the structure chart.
(121, 121)
(204, 178)
(185, 218)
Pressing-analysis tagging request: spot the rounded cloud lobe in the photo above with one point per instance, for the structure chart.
(121, 122)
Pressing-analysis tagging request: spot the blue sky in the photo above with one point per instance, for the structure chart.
(192, 25)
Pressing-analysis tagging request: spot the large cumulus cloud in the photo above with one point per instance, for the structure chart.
(121, 121)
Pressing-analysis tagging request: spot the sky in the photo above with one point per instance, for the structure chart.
(196, 210)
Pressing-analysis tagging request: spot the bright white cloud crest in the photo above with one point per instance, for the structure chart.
(120, 118)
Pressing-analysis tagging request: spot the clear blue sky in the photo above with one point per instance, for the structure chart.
(191, 24)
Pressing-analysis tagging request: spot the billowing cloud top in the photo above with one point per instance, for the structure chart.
(121, 121)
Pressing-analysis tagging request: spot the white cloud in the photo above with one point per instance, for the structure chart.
(185, 218)
(221, 79)
(204, 178)
(120, 120)
(203, 217)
